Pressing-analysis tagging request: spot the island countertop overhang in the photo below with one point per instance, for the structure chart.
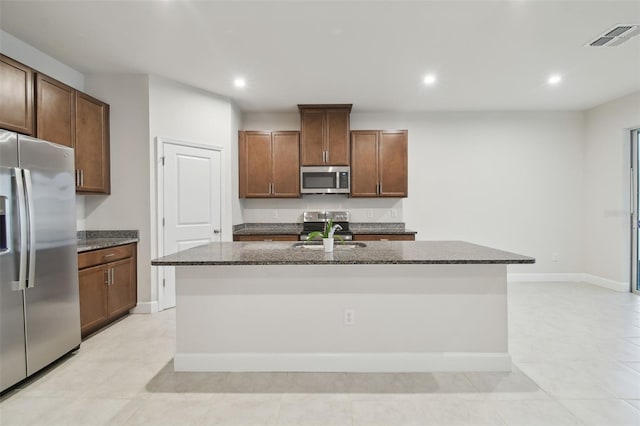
(375, 252)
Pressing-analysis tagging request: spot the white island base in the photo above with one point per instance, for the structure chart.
(406, 318)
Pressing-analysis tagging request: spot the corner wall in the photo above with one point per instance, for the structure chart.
(184, 113)
(607, 234)
(129, 203)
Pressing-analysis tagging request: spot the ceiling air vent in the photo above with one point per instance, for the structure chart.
(616, 36)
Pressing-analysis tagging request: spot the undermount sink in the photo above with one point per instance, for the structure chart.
(317, 245)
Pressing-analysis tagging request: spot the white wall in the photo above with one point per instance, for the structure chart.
(129, 204)
(509, 180)
(183, 113)
(607, 188)
(40, 61)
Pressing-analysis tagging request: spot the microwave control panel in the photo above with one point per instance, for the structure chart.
(343, 180)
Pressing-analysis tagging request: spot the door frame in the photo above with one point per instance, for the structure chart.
(160, 144)
(634, 214)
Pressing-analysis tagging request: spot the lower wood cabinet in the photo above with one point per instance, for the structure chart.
(276, 237)
(108, 285)
(384, 237)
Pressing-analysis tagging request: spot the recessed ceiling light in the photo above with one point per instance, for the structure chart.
(239, 82)
(554, 79)
(430, 79)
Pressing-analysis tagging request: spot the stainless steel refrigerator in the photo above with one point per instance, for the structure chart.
(39, 307)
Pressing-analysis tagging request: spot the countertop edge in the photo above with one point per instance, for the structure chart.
(84, 246)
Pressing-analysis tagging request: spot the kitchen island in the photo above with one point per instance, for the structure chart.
(392, 306)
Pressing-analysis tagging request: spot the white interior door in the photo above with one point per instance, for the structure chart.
(191, 204)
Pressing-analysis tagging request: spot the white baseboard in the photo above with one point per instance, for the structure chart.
(560, 277)
(343, 362)
(619, 286)
(145, 308)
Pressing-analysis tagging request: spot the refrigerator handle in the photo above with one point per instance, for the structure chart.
(22, 214)
(31, 279)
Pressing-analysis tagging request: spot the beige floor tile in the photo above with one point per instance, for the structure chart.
(456, 412)
(315, 413)
(562, 380)
(86, 412)
(609, 412)
(243, 410)
(511, 385)
(161, 413)
(535, 413)
(23, 411)
(397, 413)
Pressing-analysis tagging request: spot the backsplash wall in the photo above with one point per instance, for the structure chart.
(284, 210)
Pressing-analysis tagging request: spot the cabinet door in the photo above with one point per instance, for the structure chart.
(392, 163)
(364, 162)
(286, 164)
(16, 96)
(255, 164)
(93, 298)
(120, 289)
(312, 137)
(92, 144)
(55, 111)
(337, 131)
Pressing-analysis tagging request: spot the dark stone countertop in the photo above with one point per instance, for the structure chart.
(94, 240)
(296, 228)
(267, 229)
(375, 252)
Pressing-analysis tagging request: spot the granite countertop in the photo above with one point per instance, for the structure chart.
(296, 228)
(375, 252)
(94, 240)
(267, 228)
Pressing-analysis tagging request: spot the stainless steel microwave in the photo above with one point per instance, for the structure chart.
(325, 179)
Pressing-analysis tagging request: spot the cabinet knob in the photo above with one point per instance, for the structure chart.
(217, 231)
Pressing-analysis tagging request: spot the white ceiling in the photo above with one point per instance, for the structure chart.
(487, 55)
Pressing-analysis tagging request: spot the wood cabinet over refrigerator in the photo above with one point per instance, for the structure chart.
(379, 163)
(55, 112)
(269, 164)
(324, 134)
(16, 96)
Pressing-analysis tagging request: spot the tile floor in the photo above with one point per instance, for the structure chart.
(575, 348)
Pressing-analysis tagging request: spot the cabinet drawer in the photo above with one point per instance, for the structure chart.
(99, 257)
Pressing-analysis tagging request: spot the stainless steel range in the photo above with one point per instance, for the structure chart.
(315, 221)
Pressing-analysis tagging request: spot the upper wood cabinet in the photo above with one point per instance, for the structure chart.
(324, 134)
(269, 164)
(379, 163)
(92, 145)
(16, 96)
(62, 115)
(55, 111)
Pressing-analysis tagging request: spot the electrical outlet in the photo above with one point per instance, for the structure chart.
(555, 257)
(349, 317)
(275, 213)
(369, 213)
(394, 213)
